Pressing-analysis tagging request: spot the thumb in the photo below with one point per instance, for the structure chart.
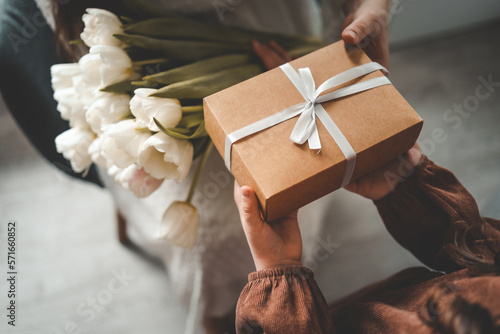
(249, 212)
(361, 27)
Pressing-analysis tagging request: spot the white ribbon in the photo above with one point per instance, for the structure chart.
(305, 129)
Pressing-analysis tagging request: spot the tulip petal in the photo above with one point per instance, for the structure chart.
(179, 225)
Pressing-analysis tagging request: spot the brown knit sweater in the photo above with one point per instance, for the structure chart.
(423, 214)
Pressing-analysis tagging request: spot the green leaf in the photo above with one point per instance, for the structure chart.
(199, 68)
(191, 120)
(206, 85)
(78, 41)
(183, 49)
(180, 131)
(184, 28)
(123, 87)
(128, 20)
(138, 54)
(175, 133)
(145, 84)
(151, 61)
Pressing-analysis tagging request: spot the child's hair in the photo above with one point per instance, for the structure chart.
(448, 313)
(458, 248)
(445, 310)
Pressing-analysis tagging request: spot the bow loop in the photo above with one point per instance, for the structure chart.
(305, 125)
(308, 83)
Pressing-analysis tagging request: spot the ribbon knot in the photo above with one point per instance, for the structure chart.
(305, 129)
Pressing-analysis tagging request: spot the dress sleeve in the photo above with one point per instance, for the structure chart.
(429, 210)
(282, 300)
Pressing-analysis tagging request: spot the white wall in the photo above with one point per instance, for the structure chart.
(416, 19)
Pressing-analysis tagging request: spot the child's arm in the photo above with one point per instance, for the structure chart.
(282, 300)
(428, 210)
(424, 207)
(282, 296)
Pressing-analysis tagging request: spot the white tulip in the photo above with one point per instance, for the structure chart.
(93, 120)
(105, 65)
(138, 181)
(96, 153)
(115, 172)
(179, 225)
(144, 107)
(100, 25)
(74, 100)
(108, 108)
(122, 141)
(165, 157)
(70, 106)
(86, 94)
(74, 144)
(112, 107)
(63, 74)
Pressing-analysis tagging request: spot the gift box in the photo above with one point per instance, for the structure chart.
(377, 123)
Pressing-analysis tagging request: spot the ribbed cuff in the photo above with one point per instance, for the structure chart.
(297, 271)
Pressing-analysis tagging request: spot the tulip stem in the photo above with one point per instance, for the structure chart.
(199, 169)
(188, 109)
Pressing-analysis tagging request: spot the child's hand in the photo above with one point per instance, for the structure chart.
(271, 55)
(367, 25)
(275, 244)
(382, 181)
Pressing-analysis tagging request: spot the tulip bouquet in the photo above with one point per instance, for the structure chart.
(134, 101)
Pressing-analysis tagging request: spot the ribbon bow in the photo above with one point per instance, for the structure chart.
(305, 129)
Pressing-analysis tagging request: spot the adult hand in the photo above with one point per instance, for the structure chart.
(271, 55)
(367, 25)
(382, 181)
(273, 245)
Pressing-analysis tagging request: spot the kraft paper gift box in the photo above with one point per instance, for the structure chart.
(378, 124)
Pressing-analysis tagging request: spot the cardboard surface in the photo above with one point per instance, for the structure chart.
(379, 124)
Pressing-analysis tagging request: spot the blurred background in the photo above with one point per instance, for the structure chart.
(68, 251)
(424, 20)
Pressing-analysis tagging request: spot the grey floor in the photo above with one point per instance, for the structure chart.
(68, 253)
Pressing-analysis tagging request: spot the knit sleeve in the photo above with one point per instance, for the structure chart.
(282, 300)
(428, 211)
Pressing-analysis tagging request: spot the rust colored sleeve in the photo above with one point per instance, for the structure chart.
(282, 300)
(428, 210)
